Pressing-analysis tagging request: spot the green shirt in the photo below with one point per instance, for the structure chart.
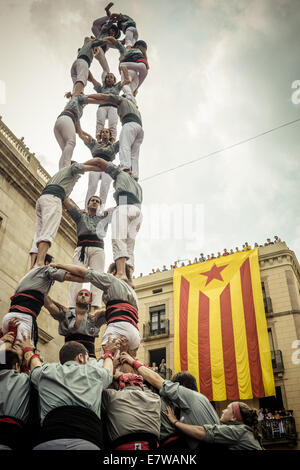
(124, 182)
(113, 288)
(195, 408)
(67, 177)
(131, 410)
(14, 394)
(235, 435)
(90, 224)
(70, 384)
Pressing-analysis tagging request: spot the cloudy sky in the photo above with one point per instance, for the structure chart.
(220, 72)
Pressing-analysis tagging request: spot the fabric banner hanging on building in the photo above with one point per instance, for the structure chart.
(220, 328)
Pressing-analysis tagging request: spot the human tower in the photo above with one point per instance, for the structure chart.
(82, 319)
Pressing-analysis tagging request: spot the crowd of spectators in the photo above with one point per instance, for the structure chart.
(277, 424)
(202, 257)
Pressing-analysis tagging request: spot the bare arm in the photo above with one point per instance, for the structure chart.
(79, 131)
(68, 204)
(72, 269)
(92, 79)
(72, 278)
(126, 80)
(98, 98)
(152, 377)
(99, 313)
(25, 343)
(6, 341)
(96, 164)
(53, 307)
(197, 432)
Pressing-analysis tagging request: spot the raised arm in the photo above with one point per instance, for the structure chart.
(78, 271)
(68, 204)
(95, 164)
(6, 341)
(92, 79)
(54, 308)
(107, 8)
(26, 343)
(98, 98)
(197, 432)
(152, 377)
(126, 80)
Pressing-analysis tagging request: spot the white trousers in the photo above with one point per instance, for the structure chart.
(24, 327)
(94, 258)
(94, 178)
(125, 224)
(131, 138)
(80, 71)
(131, 36)
(137, 73)
(124, 329)
(48, 211)
(65, 134)
(100, 56)
(111, 114)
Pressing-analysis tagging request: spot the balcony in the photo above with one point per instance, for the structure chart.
(277, 361)
(268, 305)
(279, 431)
(151, 331)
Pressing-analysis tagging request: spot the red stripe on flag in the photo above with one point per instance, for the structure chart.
(230, 370)
(183, 322)
(251, 332)
(204, 347)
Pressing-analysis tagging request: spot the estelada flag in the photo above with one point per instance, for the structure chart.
(220, 327)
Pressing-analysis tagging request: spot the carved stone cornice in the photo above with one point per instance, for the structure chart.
(277, 255)
(24, 172)
(44, 337)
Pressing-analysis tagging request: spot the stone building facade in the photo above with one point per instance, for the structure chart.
(22, 179)
(280, 276)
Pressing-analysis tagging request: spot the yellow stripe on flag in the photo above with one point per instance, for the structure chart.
(240, 339)
(262, 330)
(216, 350)
(193, 360)
(176, 284)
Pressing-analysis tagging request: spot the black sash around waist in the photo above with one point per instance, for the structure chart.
(11, 432)
(89, 240)
(70, 114)
(120, 310)
(72, 422)
(55, 190)
(85, 340)
(125, 198)
(28, 301)
(105, 105)
(103, 156)
(86, 58)
(131, 117)
(129, 24)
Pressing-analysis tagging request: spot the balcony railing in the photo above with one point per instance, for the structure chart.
(277, 361)
(151, 331)
(268, 305)
(281, 430)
